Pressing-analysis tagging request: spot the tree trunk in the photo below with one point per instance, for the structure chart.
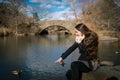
(108, 23)
(16, 30)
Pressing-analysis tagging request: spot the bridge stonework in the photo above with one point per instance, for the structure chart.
(69, 25)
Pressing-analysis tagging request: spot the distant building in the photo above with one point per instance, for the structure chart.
(35, 16)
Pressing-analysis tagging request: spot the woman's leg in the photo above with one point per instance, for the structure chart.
(69, 74)
(77, 68)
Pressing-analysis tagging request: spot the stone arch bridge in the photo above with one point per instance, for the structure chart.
(69, 25)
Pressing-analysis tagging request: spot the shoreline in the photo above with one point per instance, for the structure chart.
(103, 35)
(101, 38)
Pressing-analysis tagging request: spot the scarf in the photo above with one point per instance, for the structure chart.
(79, 39)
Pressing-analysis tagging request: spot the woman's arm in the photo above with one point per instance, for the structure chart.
(69, 50)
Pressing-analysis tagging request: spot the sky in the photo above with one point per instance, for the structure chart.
(53, 9)
(50, 9)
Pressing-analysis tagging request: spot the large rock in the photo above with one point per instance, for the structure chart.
(108, 38)
(106, 63)
(103, 73)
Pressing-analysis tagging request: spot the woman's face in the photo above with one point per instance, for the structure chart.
(78, 33)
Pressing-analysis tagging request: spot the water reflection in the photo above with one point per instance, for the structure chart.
(107, 51)
(35, 55)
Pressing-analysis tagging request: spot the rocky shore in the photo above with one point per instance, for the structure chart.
(4, 32)
(104, 73)
(113, 36)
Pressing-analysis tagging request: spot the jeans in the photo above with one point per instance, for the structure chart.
(77, 68)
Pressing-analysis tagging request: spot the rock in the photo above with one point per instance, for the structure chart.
(117, 68)
(117, 52)
(106, 63)
(108, 38)
(16, 72)
(112, 78)
(103, 73)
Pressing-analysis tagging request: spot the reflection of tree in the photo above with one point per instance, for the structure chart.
(107, 51)
(56, 39)
(25, 53)
(16, 49)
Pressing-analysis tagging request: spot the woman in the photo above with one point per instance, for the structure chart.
(87, 42)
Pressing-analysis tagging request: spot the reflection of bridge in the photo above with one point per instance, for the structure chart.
(69, 25)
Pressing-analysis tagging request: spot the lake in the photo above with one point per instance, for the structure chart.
(36, 56)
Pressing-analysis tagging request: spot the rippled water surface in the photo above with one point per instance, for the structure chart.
(36, 55)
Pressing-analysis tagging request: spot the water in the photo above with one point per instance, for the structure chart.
(36, 56)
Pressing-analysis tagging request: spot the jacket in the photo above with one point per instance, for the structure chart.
(84, 57)
(82, 51)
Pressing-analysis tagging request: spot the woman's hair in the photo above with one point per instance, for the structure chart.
(83, 28)
(90, 41)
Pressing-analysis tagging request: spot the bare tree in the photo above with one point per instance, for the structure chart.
(16, 5)
(73, 6)
(101, 12)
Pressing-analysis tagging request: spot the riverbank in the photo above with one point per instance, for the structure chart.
(109, 35)
(4, 32)
(103, 34)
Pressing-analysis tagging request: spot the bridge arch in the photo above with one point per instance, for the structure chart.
(69, 25)
(55, 29)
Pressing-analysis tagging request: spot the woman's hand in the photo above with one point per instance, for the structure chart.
(59, 60)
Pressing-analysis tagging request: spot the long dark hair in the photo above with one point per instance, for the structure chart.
(90, 41)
